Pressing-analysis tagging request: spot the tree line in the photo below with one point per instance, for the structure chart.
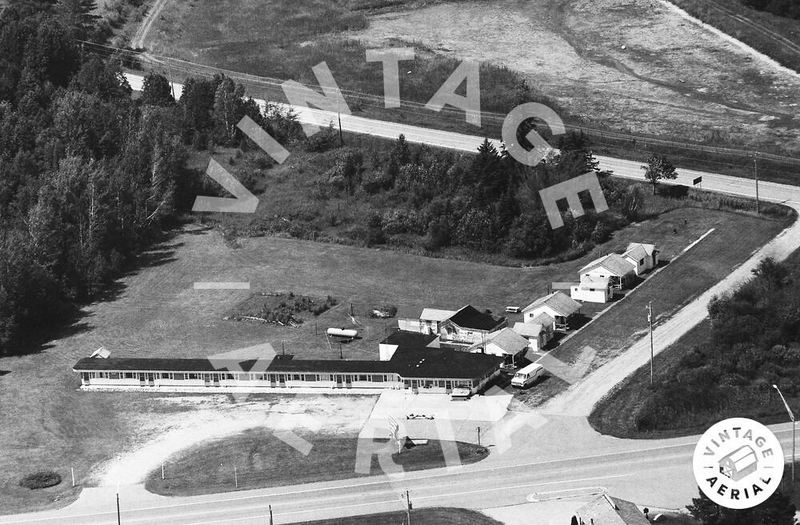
(89, 175)
(754, 343)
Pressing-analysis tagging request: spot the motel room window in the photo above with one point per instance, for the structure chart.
(114, 375)
(128, 375)
(311, 377)
(378, 378)
(165, 375)
(179, 377)
(191, 376)
(363, 378)
(297, 377)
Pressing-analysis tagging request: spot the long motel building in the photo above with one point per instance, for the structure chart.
(419, 369)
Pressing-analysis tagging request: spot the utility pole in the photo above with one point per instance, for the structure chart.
(171, 85)
(791, 417)
(479, 436)
(270, 515)
(755, 174)
(650, 323)
(408, 509)
(119, 518)
(339, 116)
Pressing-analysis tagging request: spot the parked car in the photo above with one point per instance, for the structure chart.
(513, 309)
(526, 376)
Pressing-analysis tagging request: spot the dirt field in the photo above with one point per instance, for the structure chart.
(631, 64)
(628, 64)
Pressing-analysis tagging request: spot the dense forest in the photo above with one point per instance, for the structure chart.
(787, 8)
(754, 343)
(426, 200)
(89, 175)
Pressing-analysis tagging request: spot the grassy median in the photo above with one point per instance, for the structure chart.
(263, 460)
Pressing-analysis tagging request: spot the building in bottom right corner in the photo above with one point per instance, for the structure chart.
(608, 510)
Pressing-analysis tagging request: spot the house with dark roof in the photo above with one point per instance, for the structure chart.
(469, 326)
(421, 369)
(405, 339)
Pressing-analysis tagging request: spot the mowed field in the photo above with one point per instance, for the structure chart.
(48, 424)
(633, 65)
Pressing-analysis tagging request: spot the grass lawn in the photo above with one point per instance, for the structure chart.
(434, 516)
(263, 460)
(614, 415)
(155, 312)
(730, 244)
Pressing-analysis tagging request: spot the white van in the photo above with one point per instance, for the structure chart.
(513, 309)
(526, 376)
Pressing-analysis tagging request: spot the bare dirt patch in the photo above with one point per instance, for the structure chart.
(199, 419)
(631, 64)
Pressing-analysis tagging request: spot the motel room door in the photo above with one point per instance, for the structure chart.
(338, 381)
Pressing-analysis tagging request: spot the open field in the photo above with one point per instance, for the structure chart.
(435, 516)
(263, 460)
(154, 311)
(697, 270)
(613, 62)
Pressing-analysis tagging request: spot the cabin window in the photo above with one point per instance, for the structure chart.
(114, 375)
(179, 377)
(311, 377)
(165, 375)
(192, 376)
(297, 377)
(378, 378)
(363, 378)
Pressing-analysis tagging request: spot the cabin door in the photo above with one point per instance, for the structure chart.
(338, 381)
(151, 379)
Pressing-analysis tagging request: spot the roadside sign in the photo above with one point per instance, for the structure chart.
(697, 181)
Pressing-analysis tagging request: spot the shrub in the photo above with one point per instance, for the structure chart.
(40, 480)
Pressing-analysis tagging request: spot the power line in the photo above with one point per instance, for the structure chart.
(419, 109)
